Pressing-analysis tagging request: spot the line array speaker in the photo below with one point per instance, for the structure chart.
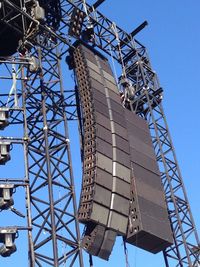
(121, 192)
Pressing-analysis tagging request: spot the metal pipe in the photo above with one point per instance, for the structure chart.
(97, 3)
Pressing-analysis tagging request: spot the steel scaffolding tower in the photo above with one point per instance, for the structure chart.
(51, 177)
(55, 235)
(46, 107)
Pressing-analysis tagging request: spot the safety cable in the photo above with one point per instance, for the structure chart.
(113, 63)
(86, 11)
(13, 89)
(91, 260)
(126, 253)
(114, 27)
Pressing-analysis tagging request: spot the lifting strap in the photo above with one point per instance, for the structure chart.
(13, 89)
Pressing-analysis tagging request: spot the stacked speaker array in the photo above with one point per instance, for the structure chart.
(149, 226)
(119, 162)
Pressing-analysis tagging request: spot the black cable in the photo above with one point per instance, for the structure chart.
(126, 253)
(90, 260)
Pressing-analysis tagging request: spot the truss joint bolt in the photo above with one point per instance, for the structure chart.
(26, 139)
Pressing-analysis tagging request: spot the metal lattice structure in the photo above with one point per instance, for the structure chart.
(51, 178)
(55, 236)
(185, 250)
(47, 107)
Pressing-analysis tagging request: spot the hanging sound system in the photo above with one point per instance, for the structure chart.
(121, 192)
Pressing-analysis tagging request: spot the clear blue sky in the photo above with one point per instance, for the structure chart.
(173, 42)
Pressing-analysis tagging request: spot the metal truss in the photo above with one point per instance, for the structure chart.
(16, 133)
(56, 237)
(107, 35)
(47, 142)
(147, 103)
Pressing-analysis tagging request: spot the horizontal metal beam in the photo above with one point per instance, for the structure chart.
(134, 32)
(98, 3)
